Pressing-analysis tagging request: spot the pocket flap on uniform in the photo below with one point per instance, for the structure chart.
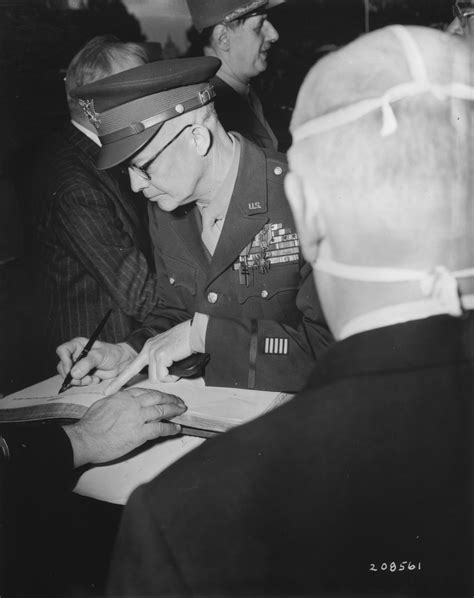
(278, 279)
(180, 274)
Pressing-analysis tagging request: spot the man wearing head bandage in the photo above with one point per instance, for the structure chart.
(361, 484)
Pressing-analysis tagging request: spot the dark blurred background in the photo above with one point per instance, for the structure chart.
(37, 40)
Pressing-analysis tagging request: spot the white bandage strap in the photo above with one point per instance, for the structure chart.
(419, 85)
(439, 284)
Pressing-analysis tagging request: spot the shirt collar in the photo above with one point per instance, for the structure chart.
(220, 201)
(87, 132)
(398, 314)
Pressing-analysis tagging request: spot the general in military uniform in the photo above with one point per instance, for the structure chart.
(232, 280)
(239, 33)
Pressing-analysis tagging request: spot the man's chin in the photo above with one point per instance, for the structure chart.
(261, 66)
(167, 204)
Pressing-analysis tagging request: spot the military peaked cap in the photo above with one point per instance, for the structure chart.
(206, 13)
(128, 108)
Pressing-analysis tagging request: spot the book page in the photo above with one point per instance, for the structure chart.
(217, 408)
(41, 402)
(209, 408)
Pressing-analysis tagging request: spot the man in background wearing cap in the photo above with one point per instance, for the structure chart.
(239, 33)
(232, 280)
(91, 244)
(362, 484)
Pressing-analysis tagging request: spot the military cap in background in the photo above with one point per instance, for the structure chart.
(128, 108)
(206, 13)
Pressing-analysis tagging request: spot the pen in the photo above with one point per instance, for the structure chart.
(67, 380)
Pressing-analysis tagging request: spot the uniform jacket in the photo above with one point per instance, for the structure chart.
(360, 486)
(91, 245)
(266, 335)
(235, 114)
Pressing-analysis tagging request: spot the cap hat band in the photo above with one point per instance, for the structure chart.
(241, 11)
(420, 84)
(185, 99)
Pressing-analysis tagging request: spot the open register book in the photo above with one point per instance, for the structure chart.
(209, 408)
(215, 409)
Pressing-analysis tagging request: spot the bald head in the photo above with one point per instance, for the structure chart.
(401, 198)
(380, 171)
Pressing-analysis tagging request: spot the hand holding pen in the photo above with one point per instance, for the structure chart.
(67, 383)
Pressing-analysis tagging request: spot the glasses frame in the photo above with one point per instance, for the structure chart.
(142, 171)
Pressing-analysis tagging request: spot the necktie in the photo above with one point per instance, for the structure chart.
(211, 230)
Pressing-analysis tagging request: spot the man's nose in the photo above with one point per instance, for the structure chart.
(137, 183)
(271, 34)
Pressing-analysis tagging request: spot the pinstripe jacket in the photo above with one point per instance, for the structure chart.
(91, 245)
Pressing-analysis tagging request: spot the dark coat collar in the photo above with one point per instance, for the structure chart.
(432, 341)
(235, 114)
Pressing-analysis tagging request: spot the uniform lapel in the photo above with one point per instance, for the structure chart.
(247, 213)
(187, 226)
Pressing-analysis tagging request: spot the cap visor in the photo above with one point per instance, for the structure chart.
(113, 154)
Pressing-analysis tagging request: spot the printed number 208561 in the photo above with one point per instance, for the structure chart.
(394, 567)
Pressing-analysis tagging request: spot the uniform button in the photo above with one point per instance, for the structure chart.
(278, 170)
(264, 294)
(172, 280)
(212, 297)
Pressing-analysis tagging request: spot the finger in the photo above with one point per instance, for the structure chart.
(154, 360)
(137, 392)
(106, 374)
(61, 369)
(169, 378)
(86, 381)
(66, 351)
(159, 372)
(156, 429)
(156, 397)
(84, 366)
(158, 412)
(128, 373)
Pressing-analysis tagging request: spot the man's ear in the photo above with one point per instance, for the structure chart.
(202, 139)
(306, 213)
(220, 37)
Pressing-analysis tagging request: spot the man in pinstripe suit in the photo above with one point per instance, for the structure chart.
(91, 240)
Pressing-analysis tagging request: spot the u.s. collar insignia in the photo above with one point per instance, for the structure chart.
(89, 110)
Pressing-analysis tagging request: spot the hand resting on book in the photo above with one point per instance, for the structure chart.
(116, 425)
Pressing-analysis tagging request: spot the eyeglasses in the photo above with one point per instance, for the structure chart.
(142, 171)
